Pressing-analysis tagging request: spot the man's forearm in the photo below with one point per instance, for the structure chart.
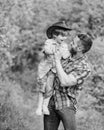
(61, 74)
(66, 80)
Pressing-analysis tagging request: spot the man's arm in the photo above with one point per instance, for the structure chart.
(66, 80)
(73, 77)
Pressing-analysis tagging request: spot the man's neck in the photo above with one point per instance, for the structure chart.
(78, 55)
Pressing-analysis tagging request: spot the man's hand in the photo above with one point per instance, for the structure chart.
(57, 54)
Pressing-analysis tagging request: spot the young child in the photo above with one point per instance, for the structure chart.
(47, 69)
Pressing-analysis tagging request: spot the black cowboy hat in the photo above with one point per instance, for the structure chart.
(57, 26)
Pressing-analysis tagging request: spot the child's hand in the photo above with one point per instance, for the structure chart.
(38, 112)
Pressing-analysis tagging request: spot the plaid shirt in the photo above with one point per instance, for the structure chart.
(66, 96)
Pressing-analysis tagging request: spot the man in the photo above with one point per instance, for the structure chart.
(66, 83)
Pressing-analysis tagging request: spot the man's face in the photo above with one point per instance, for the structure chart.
(76, 44)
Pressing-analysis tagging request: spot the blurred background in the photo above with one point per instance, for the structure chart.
(22, 34)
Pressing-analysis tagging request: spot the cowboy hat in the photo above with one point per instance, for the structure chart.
(57, 26)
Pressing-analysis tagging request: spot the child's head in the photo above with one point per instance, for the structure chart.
(60, 35)
(59, 28)
(57, 32)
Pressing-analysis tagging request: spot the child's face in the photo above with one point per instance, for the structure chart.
(62, 36)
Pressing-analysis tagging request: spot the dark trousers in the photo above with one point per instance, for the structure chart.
(66, 115)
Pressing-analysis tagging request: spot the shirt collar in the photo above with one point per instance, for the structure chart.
(73, 59)
(78, 57)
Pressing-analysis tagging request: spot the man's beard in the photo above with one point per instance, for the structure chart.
(73, 52)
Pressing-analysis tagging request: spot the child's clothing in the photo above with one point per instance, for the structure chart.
(46, 72)
(46, 83)
(47, 68)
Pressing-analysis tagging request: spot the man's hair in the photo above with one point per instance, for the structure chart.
(86, 42)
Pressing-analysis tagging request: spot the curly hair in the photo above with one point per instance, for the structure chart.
(86, 42)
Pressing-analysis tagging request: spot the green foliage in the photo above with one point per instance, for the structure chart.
(90, 119)
(10, 116)
(17, 108)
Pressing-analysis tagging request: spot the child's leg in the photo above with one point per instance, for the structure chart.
(45, 106)
(48, 94)
(40, 104)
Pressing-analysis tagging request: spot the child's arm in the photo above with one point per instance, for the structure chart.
(42, 85)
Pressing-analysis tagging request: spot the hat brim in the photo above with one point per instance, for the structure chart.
(50, 30)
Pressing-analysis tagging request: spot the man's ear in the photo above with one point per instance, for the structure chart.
(80, 48)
